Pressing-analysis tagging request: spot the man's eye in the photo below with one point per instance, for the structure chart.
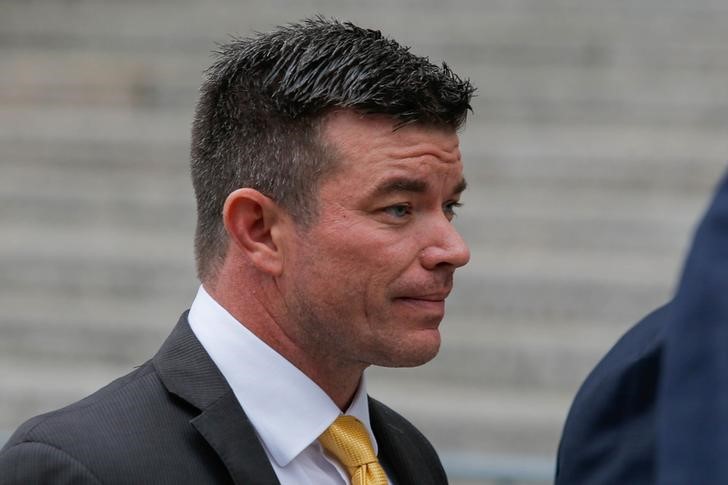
(450, 209)
(399, 210)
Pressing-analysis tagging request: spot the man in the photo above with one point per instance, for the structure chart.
(326, 168)
(655, 409)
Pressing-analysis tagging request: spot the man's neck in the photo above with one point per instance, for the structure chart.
(338, 379)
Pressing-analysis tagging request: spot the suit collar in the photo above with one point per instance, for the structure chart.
(188, 372)
(287, 418)
(400, 449)
(392, 445)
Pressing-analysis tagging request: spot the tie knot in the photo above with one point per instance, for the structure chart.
(348, 441)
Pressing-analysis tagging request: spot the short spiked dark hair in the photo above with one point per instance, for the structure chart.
(261, 105)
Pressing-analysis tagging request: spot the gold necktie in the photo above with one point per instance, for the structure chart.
(348, 441)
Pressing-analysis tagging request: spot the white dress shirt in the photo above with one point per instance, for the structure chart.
(287, 409)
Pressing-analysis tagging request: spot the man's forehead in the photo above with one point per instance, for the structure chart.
(350, 130)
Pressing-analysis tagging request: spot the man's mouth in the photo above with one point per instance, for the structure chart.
(435, 296)
(429, 302)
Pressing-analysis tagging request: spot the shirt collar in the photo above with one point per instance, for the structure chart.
(288, 410)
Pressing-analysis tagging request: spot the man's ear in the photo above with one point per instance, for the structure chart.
(253, 223)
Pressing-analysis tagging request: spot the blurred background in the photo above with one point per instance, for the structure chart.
(598, 133)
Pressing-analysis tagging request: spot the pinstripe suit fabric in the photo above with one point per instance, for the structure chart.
(174, 420)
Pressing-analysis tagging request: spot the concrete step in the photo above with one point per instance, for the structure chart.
(598, 134)
(578, 92)
(618, 225)
(604, 95)
(479, 349)
(94, 125)
(478, 20)
(119, 277)
(592, 165)
(482, 420)
(141, 220)
(545, 301)
(78, 77)
(502, 141)
(539, 296)
(30, 387)
(486, 421)
(699, 154)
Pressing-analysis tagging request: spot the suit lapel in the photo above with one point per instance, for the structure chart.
(188, 372)
(398, 453)
(229, 432)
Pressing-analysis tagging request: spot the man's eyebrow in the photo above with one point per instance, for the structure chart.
(401, 184)
(460, 187)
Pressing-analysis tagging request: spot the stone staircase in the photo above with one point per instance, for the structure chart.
(598, 133)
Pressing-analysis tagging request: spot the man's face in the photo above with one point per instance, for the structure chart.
(366, 283)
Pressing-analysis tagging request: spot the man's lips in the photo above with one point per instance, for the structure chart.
(433, 296)
(430, 302)
(422, 299)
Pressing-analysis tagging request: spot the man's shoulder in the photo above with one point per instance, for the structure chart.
(132, 430)
(75, 440)
(616, 402)
(632, 354)
(82, 418)
(99, 420)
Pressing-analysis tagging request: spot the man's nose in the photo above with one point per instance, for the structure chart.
(447, 248)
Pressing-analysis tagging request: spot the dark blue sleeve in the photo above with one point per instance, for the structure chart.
(693, 397)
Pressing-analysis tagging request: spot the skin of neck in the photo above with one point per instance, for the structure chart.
(254, 299)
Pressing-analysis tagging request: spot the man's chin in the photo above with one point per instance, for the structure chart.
(416, 350)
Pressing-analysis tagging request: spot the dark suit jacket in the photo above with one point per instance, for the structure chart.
(175, 420)
(655, 409)
(609, 435)
(692, 411)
